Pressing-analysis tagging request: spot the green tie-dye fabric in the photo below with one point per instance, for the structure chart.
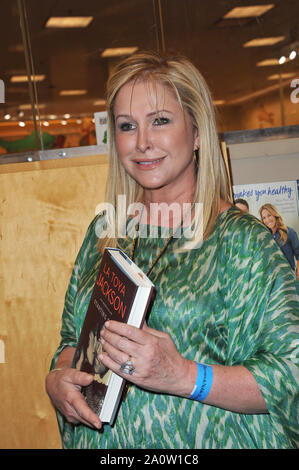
(232, 301)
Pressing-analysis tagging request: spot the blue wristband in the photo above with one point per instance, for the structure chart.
(203, 383)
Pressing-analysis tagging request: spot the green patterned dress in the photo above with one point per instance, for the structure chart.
(232, 301)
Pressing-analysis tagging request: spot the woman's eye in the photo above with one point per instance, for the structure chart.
(126, 126)
(160, 121)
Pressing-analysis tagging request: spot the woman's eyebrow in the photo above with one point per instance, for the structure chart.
(152, 113)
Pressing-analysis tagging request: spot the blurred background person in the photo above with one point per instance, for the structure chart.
(242, 205)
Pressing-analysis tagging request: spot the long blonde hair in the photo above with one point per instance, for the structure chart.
(281, 227)
(193, 94)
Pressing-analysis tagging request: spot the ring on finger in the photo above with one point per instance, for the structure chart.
(127, 367)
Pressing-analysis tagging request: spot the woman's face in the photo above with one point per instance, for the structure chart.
(155, 139)
(269, 220)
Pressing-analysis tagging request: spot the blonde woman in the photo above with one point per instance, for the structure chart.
(285, 237)
(206, 370)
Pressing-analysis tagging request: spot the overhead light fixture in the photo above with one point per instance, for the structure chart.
(24, 78)
(248, 11)
(63, 122)
(52, 116)
(66, 116)
(269, 41)
(69, 21)
(46, 123)
(276, 76)
(26, 107)
(72, 92)
(118, 51)
(99, 102)
(267, 62)
(7, 117)
(22, 124)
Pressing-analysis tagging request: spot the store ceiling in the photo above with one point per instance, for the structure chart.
(71, 58)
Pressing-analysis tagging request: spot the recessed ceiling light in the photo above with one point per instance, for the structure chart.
(267, 62)
(118, 51)
(292, 55)
(283, 75)
(270, 41)
(63, 122)
(66, 116)
(72, 92)
(7, 117)
(52, 116)
(69, 21)
(22, 124)
(248, 11)
(24, 78)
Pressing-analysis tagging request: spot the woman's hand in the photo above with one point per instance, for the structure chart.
(64, 388)
(158, 366)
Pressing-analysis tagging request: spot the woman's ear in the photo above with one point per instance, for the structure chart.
(196, 140)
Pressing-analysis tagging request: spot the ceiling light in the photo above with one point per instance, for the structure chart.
(69, 21)
(270, 41)
(282, 75)
(72, 92)
(7, 117)
(292, 55)
(63, 122)
(66, 116)
(46, 123)
(24, 78)
(22, 124)
(99, 102)
(52, 116)
(118, 51)
(29, 106)
(267, 62)
(249, 11)
(282, 60)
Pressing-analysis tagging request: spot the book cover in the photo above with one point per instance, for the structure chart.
(123, 293)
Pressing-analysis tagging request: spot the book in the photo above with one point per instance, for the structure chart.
(122, 292)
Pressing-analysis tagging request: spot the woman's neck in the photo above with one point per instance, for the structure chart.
(166, 209)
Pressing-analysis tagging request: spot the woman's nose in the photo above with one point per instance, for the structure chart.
(143, 140)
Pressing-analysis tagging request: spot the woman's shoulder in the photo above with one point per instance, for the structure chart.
(239, 223)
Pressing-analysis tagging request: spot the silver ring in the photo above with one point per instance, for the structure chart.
(127, 367)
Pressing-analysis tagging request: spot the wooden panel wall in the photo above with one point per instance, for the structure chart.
(45, 210)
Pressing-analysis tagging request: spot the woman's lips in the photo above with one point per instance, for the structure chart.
(149, 164)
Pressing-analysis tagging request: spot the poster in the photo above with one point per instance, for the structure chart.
(283, 195)
(100, 121)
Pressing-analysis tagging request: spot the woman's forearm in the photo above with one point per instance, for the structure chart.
(65, 358)
(234, 388)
